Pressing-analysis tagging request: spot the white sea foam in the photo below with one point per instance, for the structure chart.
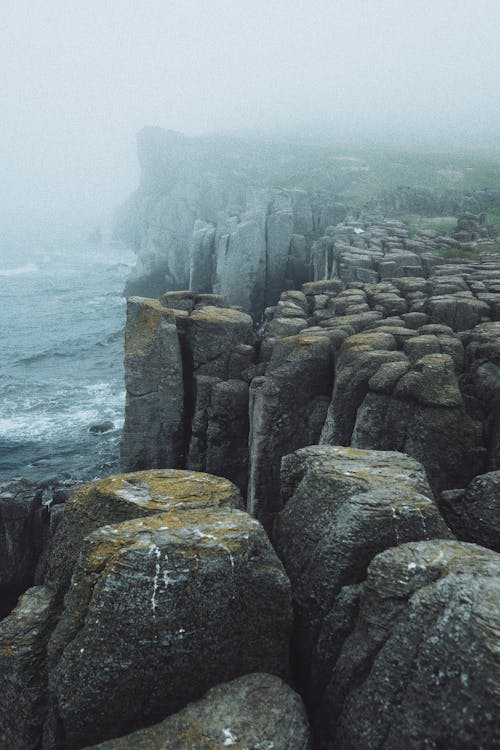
(27, 268)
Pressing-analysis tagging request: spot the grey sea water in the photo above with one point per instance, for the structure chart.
(62, 316)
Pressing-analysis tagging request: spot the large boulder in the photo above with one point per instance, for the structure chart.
(257, 711)
(210, 601)
(421, 668)
(124, 497)
(341, 507)
(160, 609)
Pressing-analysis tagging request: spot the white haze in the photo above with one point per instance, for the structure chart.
(79, 78)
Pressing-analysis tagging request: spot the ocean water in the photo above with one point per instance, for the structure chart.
(62, 317)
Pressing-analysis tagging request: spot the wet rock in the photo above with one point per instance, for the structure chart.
(341, 507)
(421, 667)
(255, 711)
(99, 427)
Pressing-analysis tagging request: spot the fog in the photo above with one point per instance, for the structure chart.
(80, 78)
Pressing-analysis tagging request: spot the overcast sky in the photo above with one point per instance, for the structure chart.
(79, 78)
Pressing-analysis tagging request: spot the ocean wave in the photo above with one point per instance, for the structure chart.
(68, 411)
(27, 268)
(35, 358)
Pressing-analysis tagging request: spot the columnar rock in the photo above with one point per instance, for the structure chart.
(420, 668)
(212, 219)
(124, 497)
(153, 433)
(474, 512)
(187, 393)
(22, 520)
(173, 590)
(255, 711)
(23, 669)
(287, 410)
(341, 507)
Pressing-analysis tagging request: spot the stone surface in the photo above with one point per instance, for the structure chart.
(153, 433)
(258, 711)
(341, 507)
(287, 411)
(23, 672)
(123, 497)
(22, 520)
(474, 513)
(210, 602)
(421, 667)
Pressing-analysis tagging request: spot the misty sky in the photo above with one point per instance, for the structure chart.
(79, 78)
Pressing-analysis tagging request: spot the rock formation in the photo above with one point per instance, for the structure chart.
(255, 711)
(205, 218)
(341, 507)
(22, 526)
(420, 668)
(210, 602)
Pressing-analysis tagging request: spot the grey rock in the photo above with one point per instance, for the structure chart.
(22, 522)
(23, 671)
(210, 602)
(258, 711)
(99, 427)
(474, 513)
(124, 497)
(341, 507)
(421, 667)
(287, 411)
(153, 433)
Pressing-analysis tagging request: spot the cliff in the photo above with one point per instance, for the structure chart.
(239, 218)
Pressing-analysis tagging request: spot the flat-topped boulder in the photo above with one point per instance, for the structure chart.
(124, 497)
(341, 507)
(256, 711)
(160, 609)
(421, 667)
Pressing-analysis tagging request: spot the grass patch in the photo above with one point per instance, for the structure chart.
(464, 253)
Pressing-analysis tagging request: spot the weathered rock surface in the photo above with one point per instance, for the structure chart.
(341, 507)
(257, 711)
(187, 394)
(210, 602)
(153, 433)
(124, 497)
(474, 513)
(22, 519)
(23, 669)
(287, 410)
(421, 667)
(173, 590)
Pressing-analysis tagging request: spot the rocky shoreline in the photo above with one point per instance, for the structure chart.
(302, 551)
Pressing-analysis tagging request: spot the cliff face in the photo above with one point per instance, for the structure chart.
(211, 217)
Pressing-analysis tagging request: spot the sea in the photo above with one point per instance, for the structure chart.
(62, 318)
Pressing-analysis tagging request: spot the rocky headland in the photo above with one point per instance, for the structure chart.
(303, 550)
